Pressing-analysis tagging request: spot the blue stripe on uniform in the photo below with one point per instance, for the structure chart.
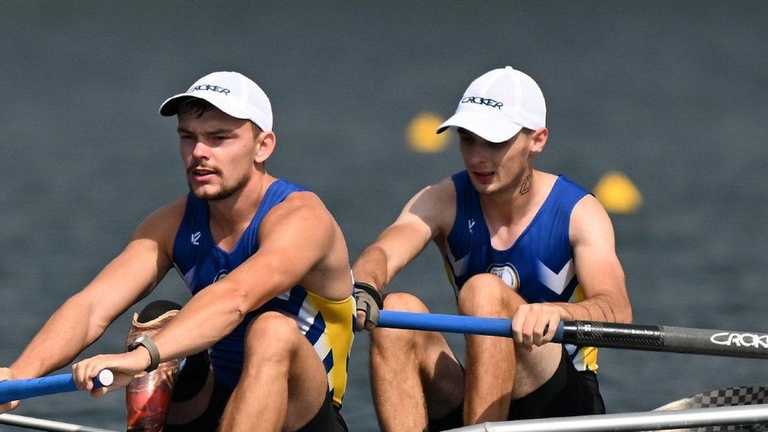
(316, 330)
(328, 361)
(295, 301)
(291, 306)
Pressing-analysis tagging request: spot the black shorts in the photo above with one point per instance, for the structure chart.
(193, 376)
(327, 419)
(567, 393)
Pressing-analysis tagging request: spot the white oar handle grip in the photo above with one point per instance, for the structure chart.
(105, 378)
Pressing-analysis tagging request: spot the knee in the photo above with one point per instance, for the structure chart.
(271, 336)
(401, 301)
(386, 340)
(486, 294)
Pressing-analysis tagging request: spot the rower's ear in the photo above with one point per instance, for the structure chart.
(538, 140)
(265, 145)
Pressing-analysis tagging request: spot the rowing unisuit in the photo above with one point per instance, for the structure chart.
(325, 323)
(540, 261)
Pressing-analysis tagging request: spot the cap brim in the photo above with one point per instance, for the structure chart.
(489, 127)
(171, 105)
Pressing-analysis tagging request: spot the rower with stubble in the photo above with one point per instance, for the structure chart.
(265, 339)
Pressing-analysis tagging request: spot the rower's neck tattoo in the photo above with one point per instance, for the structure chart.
(526, 185)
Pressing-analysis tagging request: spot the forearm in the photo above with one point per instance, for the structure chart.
(371, 267)
(209, 316)
(60, 340)
(597, 308)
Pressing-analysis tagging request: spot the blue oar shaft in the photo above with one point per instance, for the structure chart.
(445, 323)
(18, 389)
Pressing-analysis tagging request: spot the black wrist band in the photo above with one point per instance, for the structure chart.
(372, 291)
(154, 353)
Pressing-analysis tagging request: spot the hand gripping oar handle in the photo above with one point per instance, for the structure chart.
(18, 389)
(594, 333)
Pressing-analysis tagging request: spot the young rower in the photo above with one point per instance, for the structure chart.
(268, 269)
(517, 242)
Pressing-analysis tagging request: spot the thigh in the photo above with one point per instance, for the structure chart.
(274, 344)
(546, 399)
(446, 405)
(443, 379)
(567, 393)
(307, 385)
(440, 375)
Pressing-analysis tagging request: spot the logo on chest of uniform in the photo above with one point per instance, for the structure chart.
(195, 238)
(507, 273)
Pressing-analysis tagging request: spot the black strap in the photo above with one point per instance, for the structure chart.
(373, 292)
(149, 344)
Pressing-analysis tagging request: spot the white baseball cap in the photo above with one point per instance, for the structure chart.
(498, 104)
(231, 92)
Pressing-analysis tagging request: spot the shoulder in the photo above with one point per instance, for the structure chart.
(163, 222)
(589, 219)
(436, 195)
(299, 201)
(300, 207)
(434, 204)
(588, 206)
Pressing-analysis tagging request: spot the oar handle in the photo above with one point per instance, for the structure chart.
(18, 389)
(445, 323)
(729, 343)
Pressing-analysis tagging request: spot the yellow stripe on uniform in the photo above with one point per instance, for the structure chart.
(335, 344)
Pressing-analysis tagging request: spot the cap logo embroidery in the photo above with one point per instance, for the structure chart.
(483, 101)
(209, 87)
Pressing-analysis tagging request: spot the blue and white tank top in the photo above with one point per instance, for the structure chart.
(540, 261)
(326, 323)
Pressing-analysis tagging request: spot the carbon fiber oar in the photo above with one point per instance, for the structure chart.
(731, 343)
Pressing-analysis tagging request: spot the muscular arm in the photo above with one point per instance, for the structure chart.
(295, 237)
(428, 214)
(597, 267)
(85, 315)
(600, 276)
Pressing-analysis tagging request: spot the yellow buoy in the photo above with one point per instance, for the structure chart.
(618, 194)
(421, 136)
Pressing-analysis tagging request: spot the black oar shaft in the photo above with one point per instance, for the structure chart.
(666, 338)
(612, 335)
(600, 334)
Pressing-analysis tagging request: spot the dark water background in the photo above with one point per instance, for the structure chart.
(674, 94)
